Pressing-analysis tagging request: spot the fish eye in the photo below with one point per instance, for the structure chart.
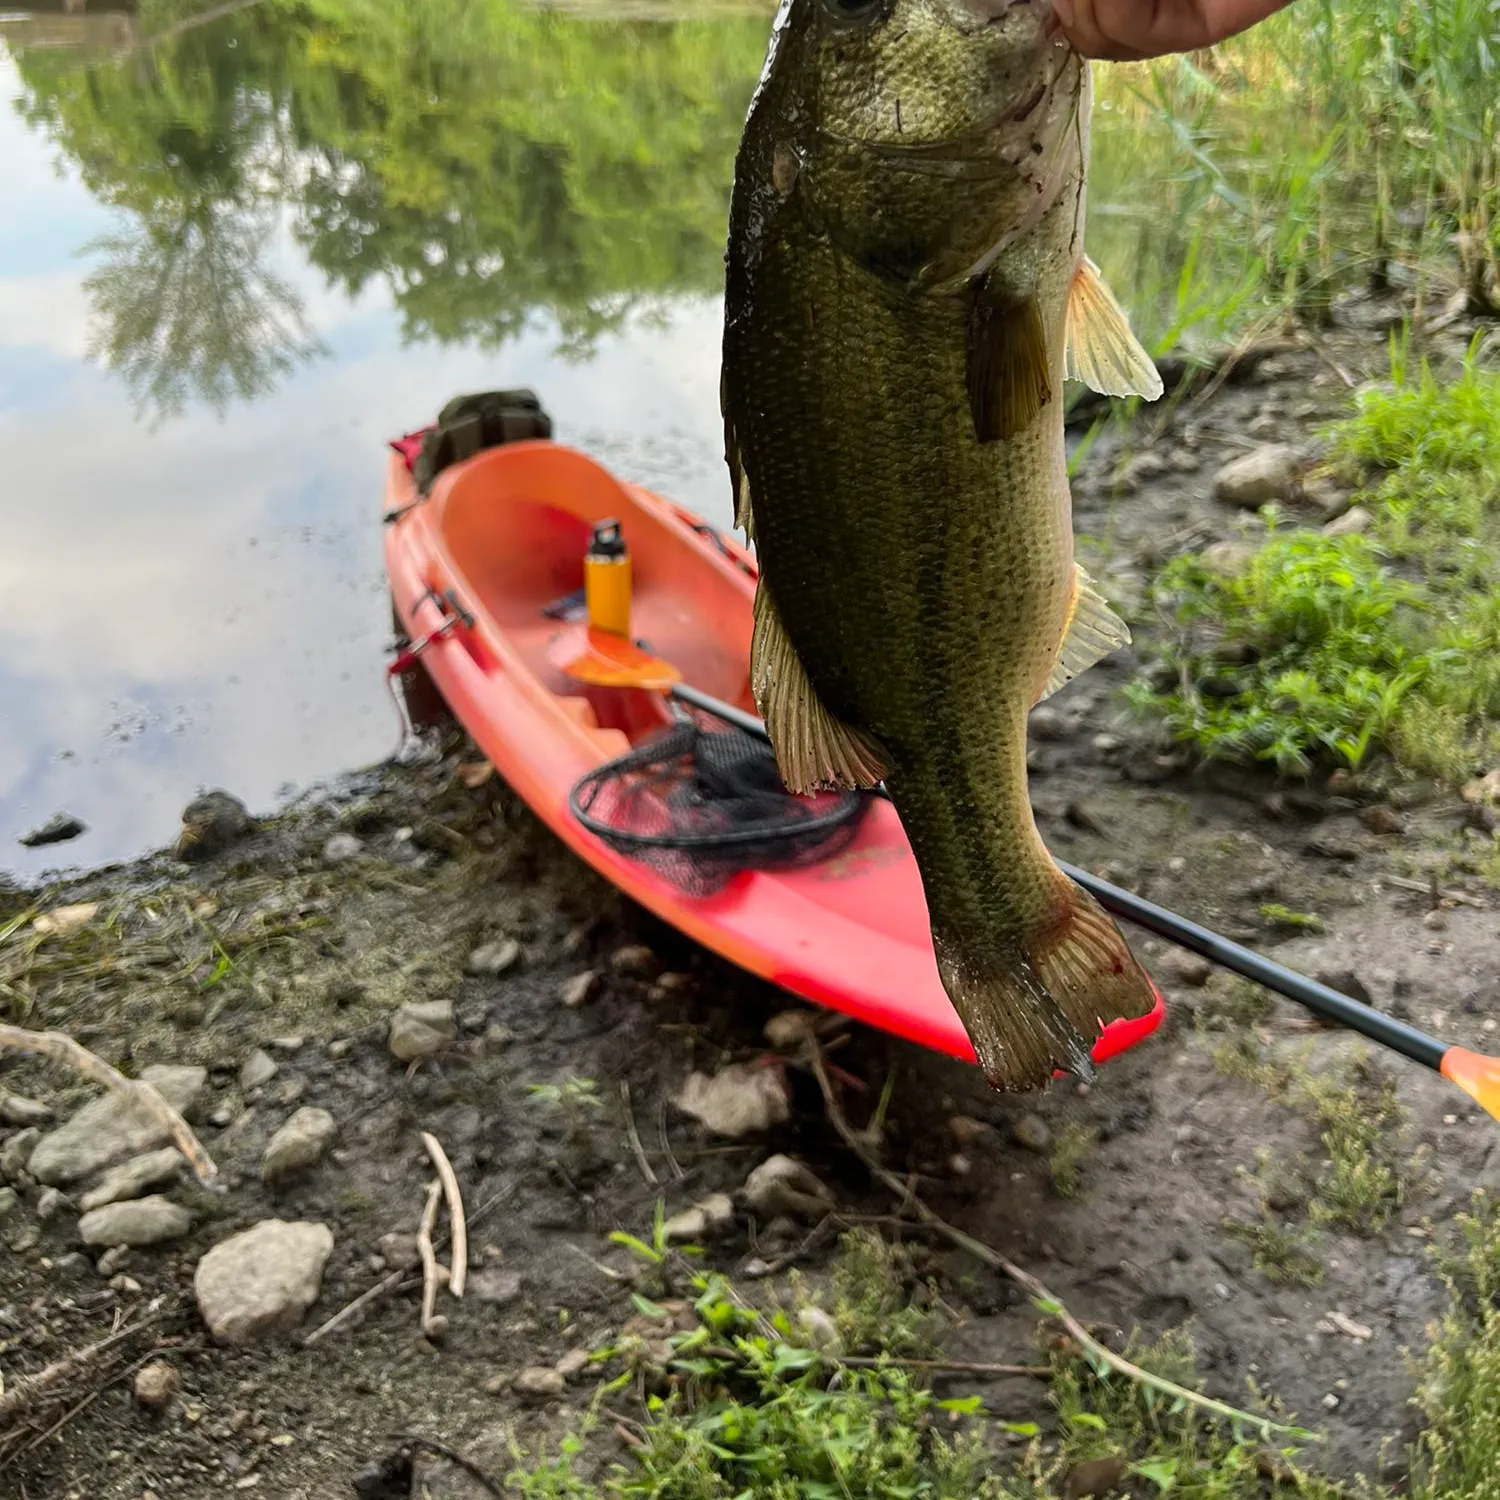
(852, 10)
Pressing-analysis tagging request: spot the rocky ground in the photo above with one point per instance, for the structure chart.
(413, 954)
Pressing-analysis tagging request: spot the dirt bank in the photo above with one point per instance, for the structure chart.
(277, 964)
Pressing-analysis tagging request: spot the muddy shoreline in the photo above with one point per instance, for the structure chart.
(275, 966)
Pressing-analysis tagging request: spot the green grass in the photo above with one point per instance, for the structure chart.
(742, 1411)
(1332, 146)
(1327, 650)
(1069, 1152)
(1459, 1396)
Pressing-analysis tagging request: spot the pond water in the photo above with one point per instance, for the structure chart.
(243, 248)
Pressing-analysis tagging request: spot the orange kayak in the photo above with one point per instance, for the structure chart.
(476, 568)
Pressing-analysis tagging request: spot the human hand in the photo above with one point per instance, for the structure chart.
(1128, 30)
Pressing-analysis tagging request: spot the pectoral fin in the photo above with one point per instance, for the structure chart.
(813, 748)
(1092, 631)
(1102, 352)
(1008, 373)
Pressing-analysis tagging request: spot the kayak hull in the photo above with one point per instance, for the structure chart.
(475, 565)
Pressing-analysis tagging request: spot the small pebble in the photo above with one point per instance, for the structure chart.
(341, 848)
(258, 1070)
(156, 1384)
(493, 959)
(1031, 1132)
(578, 989)
(539, 1383)
(635, 961)
(49, 1204)
(572, 1364)
(1436, 919)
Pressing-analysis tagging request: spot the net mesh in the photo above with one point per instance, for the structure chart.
(699, 805)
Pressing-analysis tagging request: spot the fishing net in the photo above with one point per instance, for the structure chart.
(699, 805)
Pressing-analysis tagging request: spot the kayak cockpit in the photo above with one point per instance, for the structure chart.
(515, 524)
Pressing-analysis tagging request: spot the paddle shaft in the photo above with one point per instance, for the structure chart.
(1316, 997)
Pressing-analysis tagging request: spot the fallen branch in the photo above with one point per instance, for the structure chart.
(429, 1445)
(428, 1254)
(457, 1227)
(1047, 1303)
(57, 1046)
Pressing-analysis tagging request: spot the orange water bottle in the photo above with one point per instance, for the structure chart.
(606, 580)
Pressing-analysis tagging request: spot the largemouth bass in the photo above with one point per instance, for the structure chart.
(906, 289)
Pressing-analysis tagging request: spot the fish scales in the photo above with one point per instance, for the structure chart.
(887, 315)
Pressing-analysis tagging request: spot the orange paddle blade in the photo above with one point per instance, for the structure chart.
(602, 659)
(1477, 1075)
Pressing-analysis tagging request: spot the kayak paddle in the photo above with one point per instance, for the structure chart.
(1476, 1074)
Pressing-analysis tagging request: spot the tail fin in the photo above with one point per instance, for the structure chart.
(1044, 1006)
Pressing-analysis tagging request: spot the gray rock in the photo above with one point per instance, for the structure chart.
(1031, 1132)
(820, 1330)
(780, 1185)
(156, 1384)
(1354, 522)
(111, 1128)
(1188, 968)
(1229, 557)
(113, 1260)
(539, 1383)
(299, 1144)
(210, 824)
(578, 989)
(1260, 477)
(737, 1101)
(492, 959)
(50, 1202)
(635, 961)
(421, 1028)
(142, 1221)
(16, 1154)
(56, 830)
(262, 1281)
(15, 1109)
(573, 1364)
(1048, 722)
(341, 848)
(257, 1070)
(74, 1265)
(496, 1287)
(705, 1218)
(8, 1201)
(398, 1248)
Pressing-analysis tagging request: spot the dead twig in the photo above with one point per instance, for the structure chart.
(633, 1136)
(945, 1366)
(428, 1254)
(396, 1278)
(458, 1229)
(27, 1390)
(57, 1046)
(1100, 1354)
(666, 1144)
(489, 1485)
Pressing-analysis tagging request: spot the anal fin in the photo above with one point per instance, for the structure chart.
(1092, 631)
(1007, 370)
(814, 748)
(1102, 352)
